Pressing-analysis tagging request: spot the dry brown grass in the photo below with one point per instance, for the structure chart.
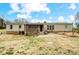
(51, 44)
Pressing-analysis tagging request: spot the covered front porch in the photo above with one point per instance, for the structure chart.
(33, 29)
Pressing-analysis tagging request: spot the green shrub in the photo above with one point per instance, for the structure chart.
(9, 52)
(2, 49)
(56, 49)
(2, 27)
(40, 48)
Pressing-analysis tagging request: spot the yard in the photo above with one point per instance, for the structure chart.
(50, 44)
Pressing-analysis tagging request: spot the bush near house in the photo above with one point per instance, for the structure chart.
(2, 27)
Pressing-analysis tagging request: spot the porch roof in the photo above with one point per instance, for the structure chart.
(34, 24)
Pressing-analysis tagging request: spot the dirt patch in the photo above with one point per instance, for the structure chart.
(49, 44)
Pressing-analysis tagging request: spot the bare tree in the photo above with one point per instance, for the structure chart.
(77, 21)
(20, 20)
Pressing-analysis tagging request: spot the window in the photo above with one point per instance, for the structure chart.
(52, 27)
(10, 26)
(19, 26)
(66, 26)
(47, 27)
(41, 27)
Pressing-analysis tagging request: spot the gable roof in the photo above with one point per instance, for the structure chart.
(14, 23)
(59, 23)
(21, 23)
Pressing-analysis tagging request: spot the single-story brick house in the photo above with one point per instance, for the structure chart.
(36, 28)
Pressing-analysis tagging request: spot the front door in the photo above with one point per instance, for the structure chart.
(41, 28)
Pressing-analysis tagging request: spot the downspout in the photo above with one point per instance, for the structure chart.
(72, 30)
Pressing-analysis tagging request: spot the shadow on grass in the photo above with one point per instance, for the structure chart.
(65, 34)
(73, 36)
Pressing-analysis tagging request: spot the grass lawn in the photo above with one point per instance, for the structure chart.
(51, 44)
(2, 30)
